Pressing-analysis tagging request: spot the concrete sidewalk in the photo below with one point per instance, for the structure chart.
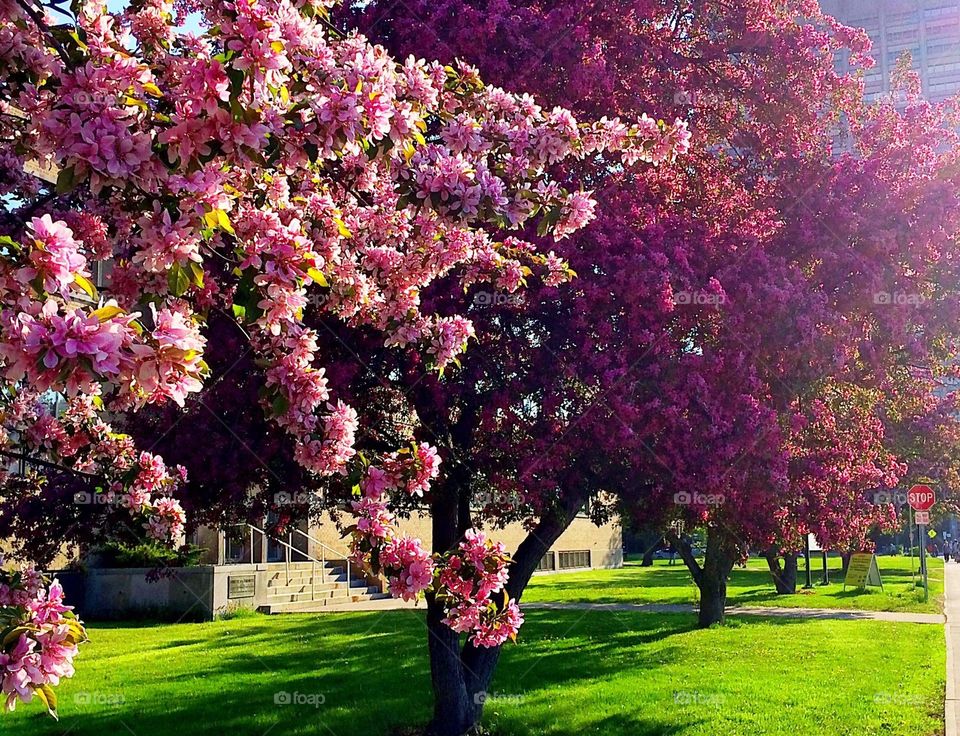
(767, 611)
(951, 606)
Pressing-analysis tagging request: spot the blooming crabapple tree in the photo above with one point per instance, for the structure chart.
(720, 316)
(237, 170)
(41, 637)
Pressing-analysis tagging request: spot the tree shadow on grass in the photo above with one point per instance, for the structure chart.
(364, 674)
(361, 674)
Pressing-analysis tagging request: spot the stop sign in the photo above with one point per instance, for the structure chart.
(921, 497)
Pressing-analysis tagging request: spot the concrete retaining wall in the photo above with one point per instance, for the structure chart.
(180, 594)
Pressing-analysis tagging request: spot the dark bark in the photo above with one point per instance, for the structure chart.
(481, 662)
(461, 678)
(784, 574)
(845, 560)
(711, 578)
(454, 712)
(647, 560)
(717, 565)
(685, 550)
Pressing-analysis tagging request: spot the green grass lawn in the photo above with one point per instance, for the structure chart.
(665, 583)
(573, 672)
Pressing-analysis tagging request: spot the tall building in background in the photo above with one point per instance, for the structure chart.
(928, 29)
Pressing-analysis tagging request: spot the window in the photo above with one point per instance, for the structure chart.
(575, 558)
(944, 68)
(907, 36)
(941, 28)
(548, 562)
(941, 11)
(941, 49)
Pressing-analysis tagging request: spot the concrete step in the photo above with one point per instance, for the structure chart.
(338, 594)
(325, 605)
(306, 586)
(330, 567)
(307, 565)
(298, 578)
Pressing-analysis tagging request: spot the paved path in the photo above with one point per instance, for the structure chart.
(951, 605)
(769, 611)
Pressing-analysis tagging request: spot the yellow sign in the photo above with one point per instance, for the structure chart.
(862, 571)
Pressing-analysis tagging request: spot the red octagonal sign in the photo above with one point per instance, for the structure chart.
(921, 497)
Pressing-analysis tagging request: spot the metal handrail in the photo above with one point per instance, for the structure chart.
(286, 559)
(325, 548)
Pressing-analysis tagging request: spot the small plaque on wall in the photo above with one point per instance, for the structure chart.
(241, 586)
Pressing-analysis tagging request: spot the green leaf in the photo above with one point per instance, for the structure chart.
(105, 313)
(280, 405)
(342, 227)
(223, 220)
(317, 276)
(84, 283)
(197, 271)
(66, 180)
(177, 280)
(48, 698)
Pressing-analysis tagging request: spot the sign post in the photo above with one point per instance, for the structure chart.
(921, 497)
(807, 546)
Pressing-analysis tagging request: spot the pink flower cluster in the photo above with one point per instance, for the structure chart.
(164, 516)
(468, 580)
(410, 469)
(34, 662)
(55, 258)
(77, 438)
(55, 346)
(170, 365)
(408, 566)
(465, 580)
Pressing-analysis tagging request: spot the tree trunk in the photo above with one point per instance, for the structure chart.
(712, 577)
(717, 565)
(461, 678)
(845, 561)
(480, 662)
(454, 711)
(648, 555)
(784, 575)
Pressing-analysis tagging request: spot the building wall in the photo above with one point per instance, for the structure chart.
(603, 545)
(67, 554)
(928, 29)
